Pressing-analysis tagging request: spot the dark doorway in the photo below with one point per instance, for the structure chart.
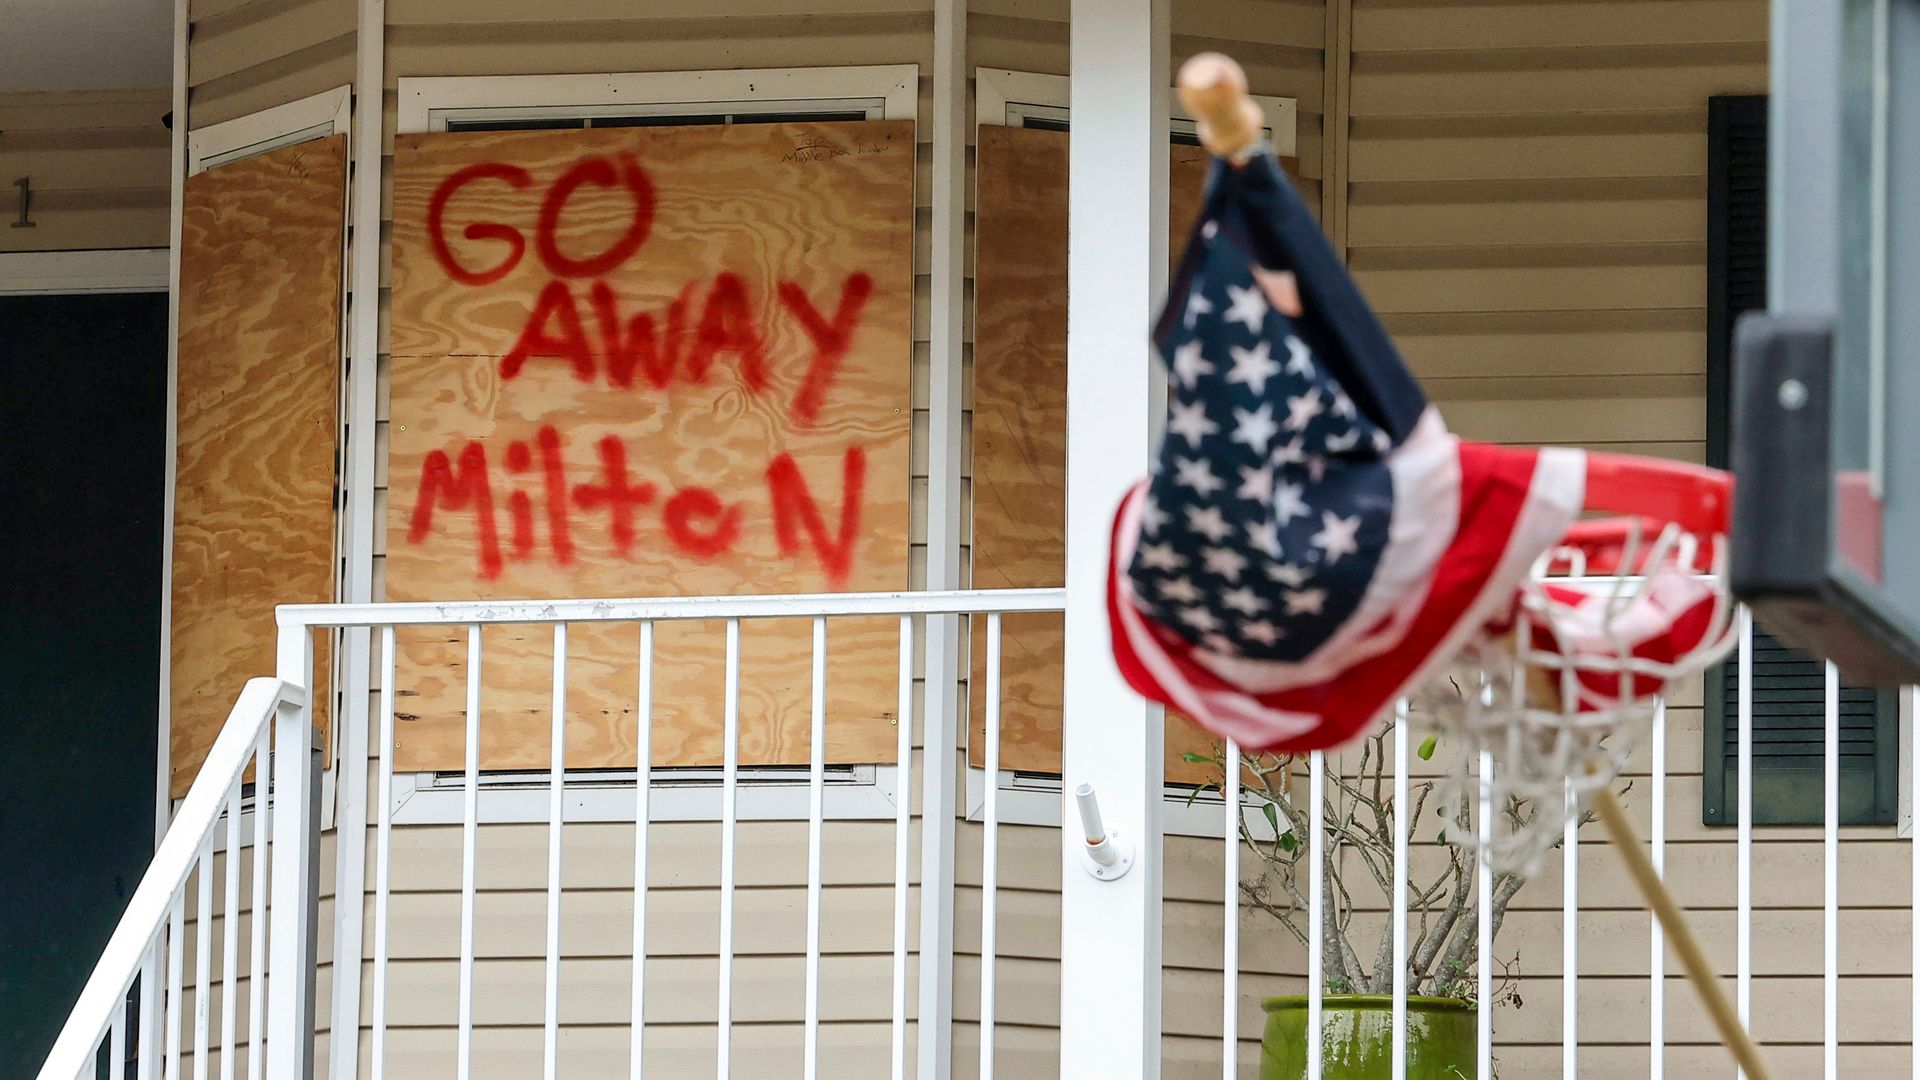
(83, 384)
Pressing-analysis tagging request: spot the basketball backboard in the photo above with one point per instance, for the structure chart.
(1826, 407)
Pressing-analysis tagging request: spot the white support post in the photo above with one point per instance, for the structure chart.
(294, 910)
(363, 349)
(1117, 260)
(940, 762)
(176, 203)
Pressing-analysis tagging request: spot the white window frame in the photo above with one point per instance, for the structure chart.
(64, 273)
(329, 112)
(885, 92)
(316, 116)
(1005, 98)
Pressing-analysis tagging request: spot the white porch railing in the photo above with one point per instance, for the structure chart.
(264, 1026)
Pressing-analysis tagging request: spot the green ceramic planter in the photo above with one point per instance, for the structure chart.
(1357, 1040)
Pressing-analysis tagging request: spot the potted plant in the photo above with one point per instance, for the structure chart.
(1359, 823)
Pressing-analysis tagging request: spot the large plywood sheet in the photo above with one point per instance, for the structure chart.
(1020, 430)
(259, 358)
(651, 361)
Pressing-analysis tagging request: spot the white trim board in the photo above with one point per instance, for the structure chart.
(426, 104)
(890, 92)
(1006, 98)
(317, 116)
(851, 793)
(117, 270)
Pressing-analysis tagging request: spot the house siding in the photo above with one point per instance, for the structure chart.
(247, 55)
(97, 162)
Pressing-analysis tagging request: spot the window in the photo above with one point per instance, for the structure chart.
(1018, 426)
(317, 116)
(572, 102)
(1789, 687)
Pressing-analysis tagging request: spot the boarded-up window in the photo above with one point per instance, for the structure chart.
(1020, 429)
(650, 361)
(259, 367)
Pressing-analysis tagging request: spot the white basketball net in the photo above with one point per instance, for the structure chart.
(1553, 726)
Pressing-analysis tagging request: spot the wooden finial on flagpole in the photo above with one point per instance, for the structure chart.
(1214, 90)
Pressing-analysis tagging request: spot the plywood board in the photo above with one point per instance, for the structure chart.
(253, 524)
(1020, 431)
(644, 362)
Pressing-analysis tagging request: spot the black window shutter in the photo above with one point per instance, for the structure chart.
(1789, 698)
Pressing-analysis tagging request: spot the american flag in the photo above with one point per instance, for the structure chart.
(1311, 541)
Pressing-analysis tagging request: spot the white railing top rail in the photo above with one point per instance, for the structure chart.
(73, 1052)
(662, 609)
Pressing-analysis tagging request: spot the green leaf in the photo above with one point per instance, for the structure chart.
(1273, 817)
(1442, 838)
(1288, 843)
(1427, 747)
(1192, 758)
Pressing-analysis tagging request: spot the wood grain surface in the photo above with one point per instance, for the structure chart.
(1020, 431)
(259, 363)
(761, 240)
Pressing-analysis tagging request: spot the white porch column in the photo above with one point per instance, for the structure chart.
(940, 775)
(1117, 262)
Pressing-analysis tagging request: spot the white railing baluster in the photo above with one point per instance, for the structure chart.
(990, 853)
(1316, 906)
(816, 809)
(1657, 958)
(176, 977)
(556, 819)
(903, 820)
(203, 959)
(117, 1041)
(1402, 830)
(1483, 883)
(257, 936)
(729, 823)
(642, 820)
(469, 837)
(1743, 887)
(147, 1035)
(1830, 990)
(383, 857)
(230, 939)
(1569, 940)
(1230, 916)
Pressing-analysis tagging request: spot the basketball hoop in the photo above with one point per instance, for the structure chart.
(1558, 693)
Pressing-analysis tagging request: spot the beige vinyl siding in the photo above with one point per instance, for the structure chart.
(1528, 206)
(249, 55)
(98, 166)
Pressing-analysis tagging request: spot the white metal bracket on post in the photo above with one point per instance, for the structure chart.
(1112, 740)
(1108, 854)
